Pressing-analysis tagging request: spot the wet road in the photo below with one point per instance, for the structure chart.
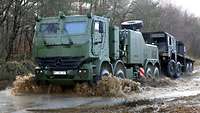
(184, 87)
(19, 104)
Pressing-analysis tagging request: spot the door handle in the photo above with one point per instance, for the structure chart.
(97, 42)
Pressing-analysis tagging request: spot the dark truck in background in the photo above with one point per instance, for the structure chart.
(172, 53)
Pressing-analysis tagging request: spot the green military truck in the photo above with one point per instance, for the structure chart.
(172, 53)
(84, 48)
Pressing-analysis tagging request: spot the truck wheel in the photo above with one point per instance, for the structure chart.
(156, 72)
(171, 68)
(149, 71)
(119, 70)
(190, 67)
(178, 70)
(187, 68)
(106, 69)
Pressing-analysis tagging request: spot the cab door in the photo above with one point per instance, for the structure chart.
(97, 37)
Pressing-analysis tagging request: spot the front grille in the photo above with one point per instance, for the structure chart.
(60, 63)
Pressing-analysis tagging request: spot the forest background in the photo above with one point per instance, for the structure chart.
(17, 20)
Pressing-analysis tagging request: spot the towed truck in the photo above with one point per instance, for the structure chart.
(172, 53)
(70, 49)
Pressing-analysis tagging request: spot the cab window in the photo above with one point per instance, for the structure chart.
(49, 28)
(170, 40)
(72, 28)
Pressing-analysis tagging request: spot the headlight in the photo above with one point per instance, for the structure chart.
(37, 67)
(164, 58)
(82, 71)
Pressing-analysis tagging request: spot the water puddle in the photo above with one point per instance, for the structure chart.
(19, 104)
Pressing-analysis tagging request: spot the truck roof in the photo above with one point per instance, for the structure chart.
(178, 41)
(73, 17)
(158, 32)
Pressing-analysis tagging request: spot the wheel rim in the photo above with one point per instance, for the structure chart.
(178, 69)
(171, 68)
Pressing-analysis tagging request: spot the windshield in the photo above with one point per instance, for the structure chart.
(49, 28)
(161, 43)
(159, 40)
(72, 28)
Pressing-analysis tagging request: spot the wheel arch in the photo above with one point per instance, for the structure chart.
(147, 62)
(118, 61)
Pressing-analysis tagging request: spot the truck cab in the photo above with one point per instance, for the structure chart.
(166, 43)
(70, 47)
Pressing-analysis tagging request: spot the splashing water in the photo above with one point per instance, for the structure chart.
(108, 86)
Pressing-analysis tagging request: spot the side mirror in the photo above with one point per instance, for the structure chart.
(61, 15)
(89, 15)
(38, 19)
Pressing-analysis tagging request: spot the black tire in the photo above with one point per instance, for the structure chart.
(178, 70)
(149, 71)
(119, 70)
(190, 67)
(156, 72)
(171, 68)
(187, 69)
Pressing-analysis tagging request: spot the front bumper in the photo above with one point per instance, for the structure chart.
(69, 75)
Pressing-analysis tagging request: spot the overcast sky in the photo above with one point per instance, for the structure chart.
(192, 6)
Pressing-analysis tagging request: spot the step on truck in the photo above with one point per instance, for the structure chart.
(70, 49)
(172, 53)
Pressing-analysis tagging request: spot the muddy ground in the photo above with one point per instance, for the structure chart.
(155, 96)
(158, 96)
